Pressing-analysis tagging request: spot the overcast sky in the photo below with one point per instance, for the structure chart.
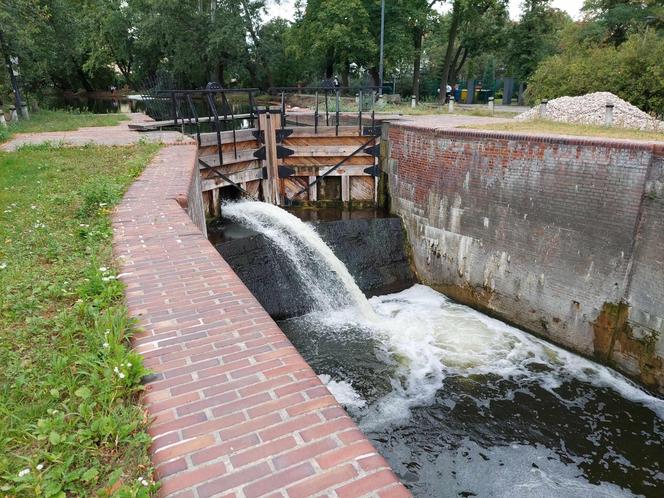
(285, 8)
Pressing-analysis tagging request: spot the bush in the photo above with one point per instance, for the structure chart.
(633, 71)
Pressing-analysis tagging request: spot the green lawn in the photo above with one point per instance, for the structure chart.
(46, 120)
(543, 126)
(70, 424)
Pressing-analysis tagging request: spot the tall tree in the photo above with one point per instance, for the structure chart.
(535, 37)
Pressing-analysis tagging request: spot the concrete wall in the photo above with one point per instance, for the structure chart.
(563, 237)
(372, 249)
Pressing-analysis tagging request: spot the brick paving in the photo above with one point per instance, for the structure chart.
(236, 410)
(100, 135)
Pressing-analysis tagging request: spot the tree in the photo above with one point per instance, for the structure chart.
(535, 37)
(334, 35)
(464, 19)
(613, 21)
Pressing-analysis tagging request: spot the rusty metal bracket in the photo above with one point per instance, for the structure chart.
(285, 171)
(284, 152)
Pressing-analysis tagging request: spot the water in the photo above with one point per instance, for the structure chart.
(330, 285)
(465, 405)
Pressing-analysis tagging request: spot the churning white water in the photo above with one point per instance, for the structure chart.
(458, 402)
(327, 280)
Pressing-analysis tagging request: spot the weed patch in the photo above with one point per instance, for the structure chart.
(70, 422)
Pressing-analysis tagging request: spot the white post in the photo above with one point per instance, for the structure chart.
(608, 115)
(24, 110)
(491, 105)
(13, 115)
(413, 101)
(542, 109)
(450, 106)
(3, 123)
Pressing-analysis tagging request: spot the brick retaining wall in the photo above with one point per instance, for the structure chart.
(559, 235)
(236, 410)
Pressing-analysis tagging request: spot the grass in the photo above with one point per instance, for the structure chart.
(553, 127)
(47, 120)
(70, 424)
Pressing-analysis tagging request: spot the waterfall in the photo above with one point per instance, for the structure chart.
(323, 275)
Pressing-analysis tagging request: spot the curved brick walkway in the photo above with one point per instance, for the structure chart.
(100, 135)
(237, 411)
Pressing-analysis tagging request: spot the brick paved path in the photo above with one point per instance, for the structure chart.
(237, 411)
(101, 135)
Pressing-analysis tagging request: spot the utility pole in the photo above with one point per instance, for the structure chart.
(382, 38)
(12, 76)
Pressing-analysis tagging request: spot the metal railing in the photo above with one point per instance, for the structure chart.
(327, 92)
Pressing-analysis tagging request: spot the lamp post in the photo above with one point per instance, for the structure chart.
(382, 37)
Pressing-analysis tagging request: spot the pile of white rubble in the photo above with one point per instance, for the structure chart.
(590, 109)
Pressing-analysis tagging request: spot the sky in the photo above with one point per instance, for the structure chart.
(572, 7)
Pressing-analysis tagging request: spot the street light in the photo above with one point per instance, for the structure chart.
(382, 35)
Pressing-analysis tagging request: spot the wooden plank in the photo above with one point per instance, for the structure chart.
(209, 139)
(253, 187)
(345, 188)
(319, 140)
(294, 184)
(230, 169)
(326, 151)
(323, 131)
(313, 190)
(327, 161)
(216, 182)
(153, 125)
(215, 202)
(362, 188)
(212, 160)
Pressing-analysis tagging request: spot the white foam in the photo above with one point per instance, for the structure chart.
(343, 392)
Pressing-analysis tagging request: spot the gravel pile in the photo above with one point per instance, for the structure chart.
(590, 109)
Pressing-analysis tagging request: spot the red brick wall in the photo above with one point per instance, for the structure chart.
(235, 409)
(540, 231)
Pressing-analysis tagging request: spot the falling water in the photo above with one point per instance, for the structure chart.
(460, 403)
(327, 280)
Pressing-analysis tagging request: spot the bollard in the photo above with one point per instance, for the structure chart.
(491, 105)
(13, 116)
(608, 115)
(542, 109)
(413, 101)
(450, 106)
(24, 111)
(3, 123)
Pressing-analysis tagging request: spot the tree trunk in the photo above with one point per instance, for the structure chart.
(451, 39)
(84, 80)
(417, 63)
(12, 77)
(345, 74)
(373, 71)
(456, 65)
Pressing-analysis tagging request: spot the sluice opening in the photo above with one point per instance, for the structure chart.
(460, 404)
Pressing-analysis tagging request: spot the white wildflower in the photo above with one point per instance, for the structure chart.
(40, 466)
(103, 269)
(129, 364)
(3, 265)
(144, 482)
(116, 370)
(33, 207)
(24, 472)
(121, 375)
(105, 279)
(105, 344)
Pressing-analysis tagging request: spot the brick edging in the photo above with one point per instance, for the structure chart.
(477, 134)
(236, 410)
